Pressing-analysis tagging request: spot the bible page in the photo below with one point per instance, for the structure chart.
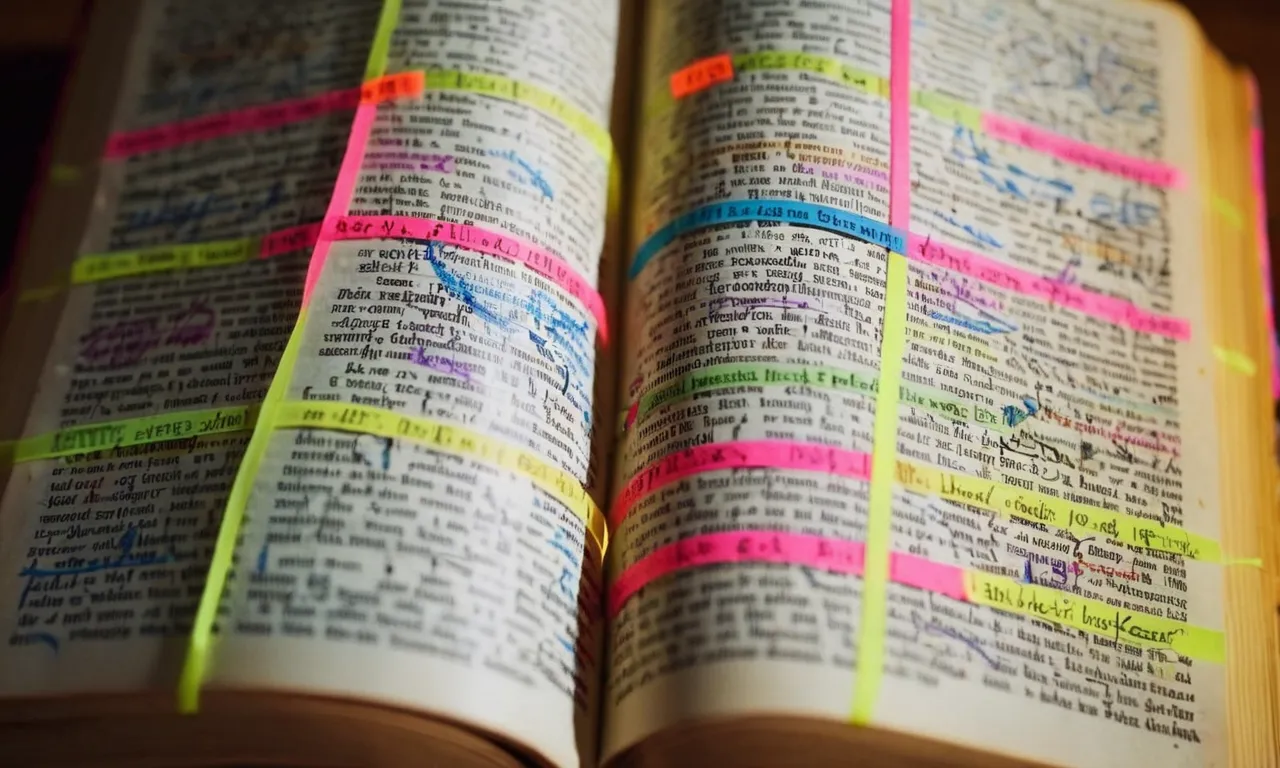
(1049, 582)
(419, 529)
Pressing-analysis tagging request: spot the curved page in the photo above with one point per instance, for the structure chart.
(419, 531)
(1051, 541)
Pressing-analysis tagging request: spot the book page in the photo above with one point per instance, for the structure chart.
(1054, 582)
(149, 391)
(420, 530)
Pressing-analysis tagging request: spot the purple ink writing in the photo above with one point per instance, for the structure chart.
(966, 290)
(440, 363)
(127, 342)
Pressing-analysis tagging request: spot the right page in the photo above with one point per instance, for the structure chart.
(1046, 577)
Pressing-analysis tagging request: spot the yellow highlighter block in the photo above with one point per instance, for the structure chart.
(94, 267)
(1010, 501)
(1095, 617)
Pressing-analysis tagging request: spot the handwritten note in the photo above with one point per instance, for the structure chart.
(1095, 617)
(1107, 308)
(485, 241)
(1079, 518)
(783, 211)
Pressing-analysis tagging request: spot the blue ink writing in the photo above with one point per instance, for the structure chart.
(535, 177)
(560, 540)
(1043, 187)
(1125, 212)
(977, 326)
(972, 231)
(717, 304)
(126, 560)
(440, 363)
(942, 631)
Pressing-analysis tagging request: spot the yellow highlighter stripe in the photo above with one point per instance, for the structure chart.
(1010, 501)
(1237, 361)
(200, 644)
(875, 580)
(93, 267)
(450, 439)
(800, 61)
(64, 173)
(128, 432)
(947, 108)
(34, 295)
(1228, 211)
(388, 20)
(1095, 617)
(531, 95)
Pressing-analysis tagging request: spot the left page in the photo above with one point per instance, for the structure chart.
(148, 393)
(419, 528)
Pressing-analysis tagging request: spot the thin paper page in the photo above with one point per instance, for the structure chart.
(420, 531)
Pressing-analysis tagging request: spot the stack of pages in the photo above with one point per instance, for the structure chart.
(560, 383)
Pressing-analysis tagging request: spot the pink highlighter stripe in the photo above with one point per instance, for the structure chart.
(287, 240)
(1080, 153)
(899, 117)
(834, 555)
(344, 185)
(1107, 308)
(260, 118)
(767, 454)
(264, 116)
(939, 578)
(1259, 179)
(503, 246)
(827, 554)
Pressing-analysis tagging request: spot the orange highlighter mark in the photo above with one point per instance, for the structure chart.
(702, 74)
(393, 87)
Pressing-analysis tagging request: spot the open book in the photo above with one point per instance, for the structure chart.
(757, 382)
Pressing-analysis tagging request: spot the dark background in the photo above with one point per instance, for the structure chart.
(39, 38)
